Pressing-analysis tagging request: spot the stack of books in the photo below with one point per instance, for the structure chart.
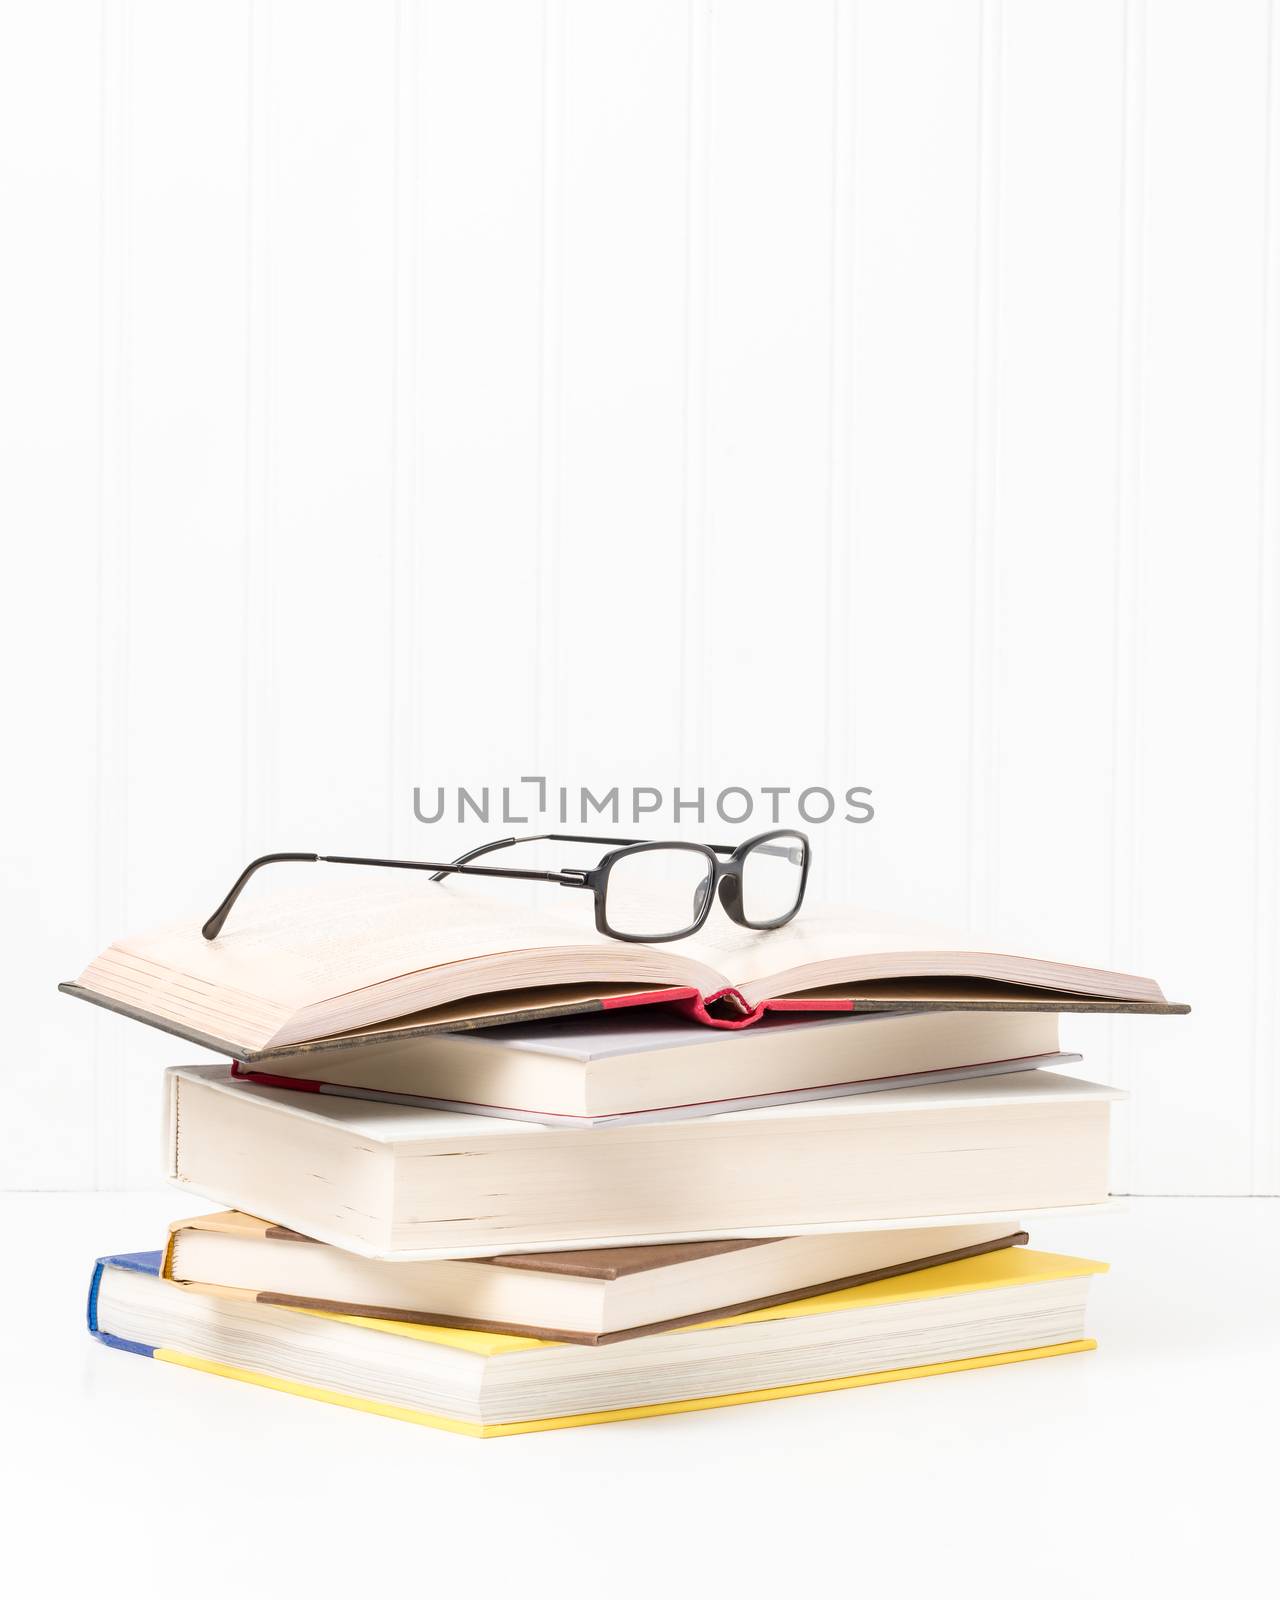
(492, 1174)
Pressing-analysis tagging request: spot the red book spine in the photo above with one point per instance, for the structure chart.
(698, 1007)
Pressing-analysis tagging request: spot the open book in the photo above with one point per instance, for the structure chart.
(389, 956)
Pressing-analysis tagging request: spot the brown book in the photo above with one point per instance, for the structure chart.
(570, 1296)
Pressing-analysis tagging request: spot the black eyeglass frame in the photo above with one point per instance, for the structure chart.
(725, 883)
(725, 876)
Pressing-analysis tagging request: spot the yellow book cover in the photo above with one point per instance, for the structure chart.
(1000, 1270)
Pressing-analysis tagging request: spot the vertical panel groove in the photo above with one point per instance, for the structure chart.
(983, 763)
(403, 657)
(840, 733)
(550, 343)
(1265, 1093)
(693, 487)
(873, 264)
(1126, 764)
(257, 810)
(114, 465)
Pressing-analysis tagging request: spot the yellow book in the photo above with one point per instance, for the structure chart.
(1012, 1305)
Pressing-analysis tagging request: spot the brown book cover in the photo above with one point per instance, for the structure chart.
(599, 1264)
(552, 1001)
(619, 1261)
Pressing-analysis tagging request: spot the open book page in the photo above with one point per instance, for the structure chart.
(353, 954)
(308, 946)
(829, 946)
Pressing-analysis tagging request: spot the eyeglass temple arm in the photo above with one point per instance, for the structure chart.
(438, 869)
(535, 838)
(789, 852)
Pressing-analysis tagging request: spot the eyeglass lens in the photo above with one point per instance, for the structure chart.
(772, 875)
(654, 894)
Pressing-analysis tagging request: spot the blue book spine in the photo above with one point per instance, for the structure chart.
(147, 1261)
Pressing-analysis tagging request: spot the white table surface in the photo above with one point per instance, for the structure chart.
(1147, 1467)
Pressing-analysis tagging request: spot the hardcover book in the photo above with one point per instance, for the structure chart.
(1009, 1306)
(576, 1296)
(292, 970)
(604, 1069)
(398, 1182)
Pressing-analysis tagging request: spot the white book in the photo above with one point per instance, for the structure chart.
(633, 1064)
(398, 1182)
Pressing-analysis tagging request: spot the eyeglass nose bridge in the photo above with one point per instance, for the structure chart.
(730, 891)
(702, 894)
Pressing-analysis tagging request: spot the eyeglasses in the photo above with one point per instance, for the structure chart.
(646, 891)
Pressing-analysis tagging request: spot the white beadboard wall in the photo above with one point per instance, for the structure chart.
(665, 391)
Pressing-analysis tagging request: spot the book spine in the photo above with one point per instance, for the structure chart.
(697, 1007)
(127, 1263)
(274, 1080)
